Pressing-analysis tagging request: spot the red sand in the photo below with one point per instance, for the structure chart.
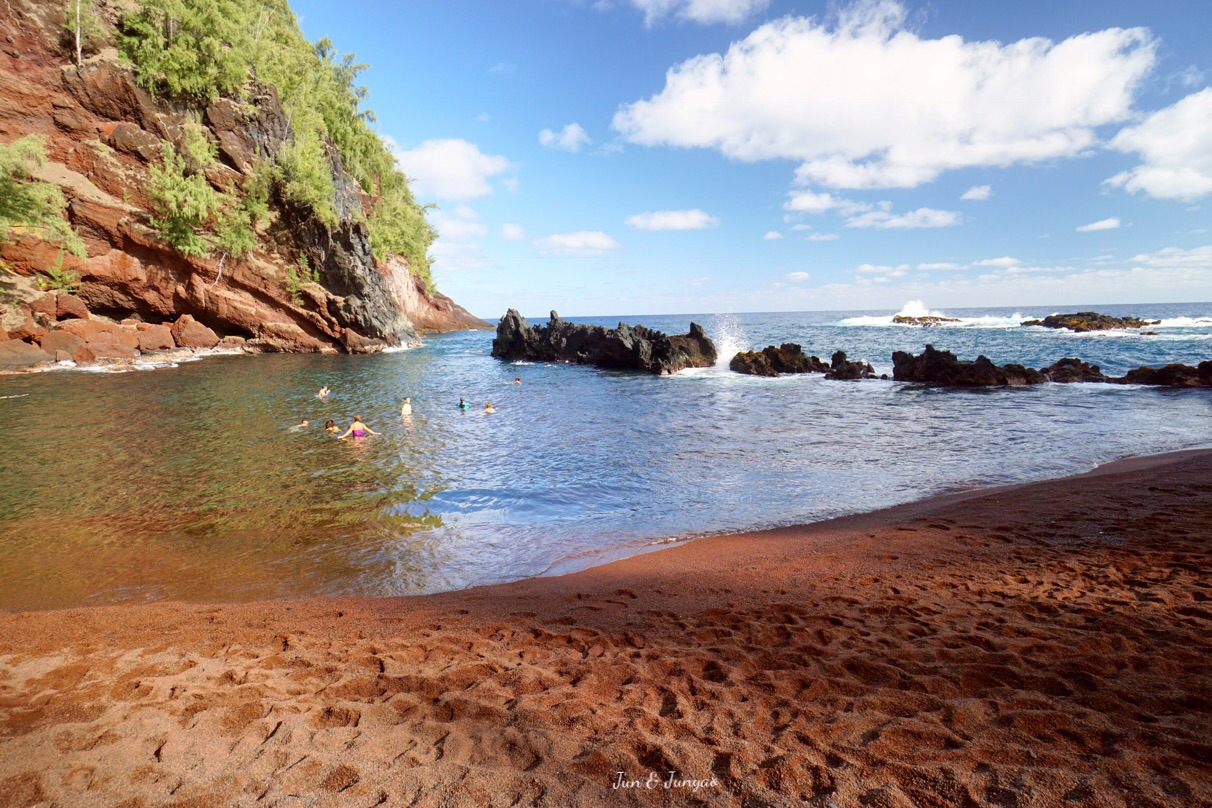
(1039, 645)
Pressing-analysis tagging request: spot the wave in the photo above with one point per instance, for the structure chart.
(916, 308)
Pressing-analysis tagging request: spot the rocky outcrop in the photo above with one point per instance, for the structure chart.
(924, 321)
(942, 368)
(1069, 371)
(623, 348)
(1171, 376)
(103, 133)
(771, 361)
(843, 369)
(1090, 321)
(790, 358)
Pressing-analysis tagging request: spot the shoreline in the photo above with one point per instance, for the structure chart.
(1043, 641)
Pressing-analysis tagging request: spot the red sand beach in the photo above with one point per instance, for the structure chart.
(1046, 644)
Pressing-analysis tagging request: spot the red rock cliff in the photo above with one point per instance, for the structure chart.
(103, 132)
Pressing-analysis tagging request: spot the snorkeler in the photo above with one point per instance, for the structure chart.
(357, 429)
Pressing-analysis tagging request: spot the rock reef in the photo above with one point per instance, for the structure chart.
(944, 369)
(924, 321)
(790, 358)
(623, 348)
(1090, 321)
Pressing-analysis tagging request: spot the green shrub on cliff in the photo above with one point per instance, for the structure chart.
(25, 203)
(199, 50)
(181, 203)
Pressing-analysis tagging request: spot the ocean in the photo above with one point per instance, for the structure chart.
(194, 483)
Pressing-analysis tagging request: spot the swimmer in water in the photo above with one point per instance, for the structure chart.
(357, 429)
(517, 379)
(301, 425)
(406, 410)
(488, 408)
(324, 391)
(329, 426)
(463, 405)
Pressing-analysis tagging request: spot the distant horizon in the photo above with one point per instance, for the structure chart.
(1075, 307)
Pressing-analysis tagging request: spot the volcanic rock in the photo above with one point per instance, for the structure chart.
(155, 338)
(942, 368)
(1171, 376)
(1068, 371)
(924, 321)
(1090, 321)
(68, 307)
(843, 369)
(624, 348)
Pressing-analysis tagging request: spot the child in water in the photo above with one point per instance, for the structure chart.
(357, 429)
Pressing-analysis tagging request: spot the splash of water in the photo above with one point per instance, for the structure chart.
(729, 339)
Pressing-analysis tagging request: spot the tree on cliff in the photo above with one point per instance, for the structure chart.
(82, 23)
(197, 51)
(27, 204)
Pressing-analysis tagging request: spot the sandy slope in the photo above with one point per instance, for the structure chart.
(1040, 645)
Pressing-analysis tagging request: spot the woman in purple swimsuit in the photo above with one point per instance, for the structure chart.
(357, 429)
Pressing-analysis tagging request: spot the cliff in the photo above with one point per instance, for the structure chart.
(304, 286)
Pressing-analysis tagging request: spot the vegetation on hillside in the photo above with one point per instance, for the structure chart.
(199, 50)
(29, 205)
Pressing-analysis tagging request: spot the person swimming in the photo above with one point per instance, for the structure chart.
(406, 410)
(301, 425)
(330, 426)
(517, 379)
(323, 393)
(463, 405)
(488, 408)
(357, 429)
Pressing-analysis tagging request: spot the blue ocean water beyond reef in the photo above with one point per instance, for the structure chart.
(191, 482)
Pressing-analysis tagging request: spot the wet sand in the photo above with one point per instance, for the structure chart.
(1047, 644)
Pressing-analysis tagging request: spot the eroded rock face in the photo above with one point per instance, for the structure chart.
(1090, 321)
(1068, 371)
(1171, 376)
(623, 348)
(843, 369)
(104, 132)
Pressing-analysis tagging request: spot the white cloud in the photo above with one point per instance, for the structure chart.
(814, 203)
(512, 232)
(1176, 258)
(876, 269)
(1101, 224)
(798, 277)
(1176, 146)
(1004, 262)
(448, 169)
(798, 89)
(673, 220)
(823, 236)
(570, 139)
(978, 193)
(461, 224)
(941, 265)
(452, 256)
(772, 235)
(700, 11)
(920, 218)
(579, 243)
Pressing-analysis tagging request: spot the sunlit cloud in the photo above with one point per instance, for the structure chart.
(449, 169)
(1101, 224)
(579, 243)
(673, 220)
(957, 104)
(978, 193)
(704, 12)
(570, 139)
(1175, 145)
(920, 218)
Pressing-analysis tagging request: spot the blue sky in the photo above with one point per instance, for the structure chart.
(614, 157)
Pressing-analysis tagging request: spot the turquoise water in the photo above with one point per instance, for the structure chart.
(190, 483)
